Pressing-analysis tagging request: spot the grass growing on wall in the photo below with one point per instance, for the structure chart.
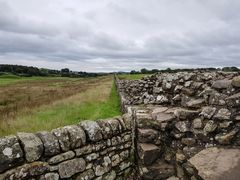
(100, 100)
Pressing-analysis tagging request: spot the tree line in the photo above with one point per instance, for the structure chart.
(169, 70)
(26, 71)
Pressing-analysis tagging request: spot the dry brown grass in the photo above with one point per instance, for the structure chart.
(55, 103)
(26, 96)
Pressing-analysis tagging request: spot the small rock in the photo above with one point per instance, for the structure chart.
(173, 178)
(190, 151)
(61, 157)
(208, 112)
(222, 114)
(185, 114)
(188, 141)
(91, 157)
(49, 176)
(84, 150)
(197, 123)
(71, 167)
(237, 118)
(26, 171)
(222, 84)
(115, 160)
(225, 124)
(110, 176)
(195, 103)
(210, 127)
(234, 100)
(183, 126)
(86, 175)
(226, 138)
(164, 117)
(162, 99)
(236, 81)
(180, 157)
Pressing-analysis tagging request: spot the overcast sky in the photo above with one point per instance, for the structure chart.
(120, 35)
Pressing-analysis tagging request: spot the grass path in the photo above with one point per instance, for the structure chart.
(99, 101)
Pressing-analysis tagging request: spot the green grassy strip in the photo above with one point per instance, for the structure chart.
(9, 79)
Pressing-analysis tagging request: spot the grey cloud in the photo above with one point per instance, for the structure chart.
(120, 35)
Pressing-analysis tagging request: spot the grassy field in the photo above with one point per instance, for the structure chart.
(132, 76)
(11, 79)
(35, 104)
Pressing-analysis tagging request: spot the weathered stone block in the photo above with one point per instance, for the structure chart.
(197, 123)
(127, 119)
(115, 160)
(222, 114)
(63, 138)
(105, 128)
(208, 112)
(148, 153)
(49, 176)
(236, 81)
(234, 100)
(68, 168)
(61, 157)
(110, 176)
(147, 135)
(91, 157)
(11, 153)
(32, 145)
(226, 137)
(86, 175)
(159, 170)
(77, 136)
(195, 103)
(185, 114)
(115, 126)
(92, 129)
(85, 150)
(50, 143)
(188, 141)
(221, 84)
(183, 126)
(217, 163)
(211, 126)
(26, 171)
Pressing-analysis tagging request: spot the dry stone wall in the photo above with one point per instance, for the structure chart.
(88, 150)
(179, 115)
(172, 122)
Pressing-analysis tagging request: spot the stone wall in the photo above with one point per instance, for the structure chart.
(88, 150)
(178, 115)
(169, 119)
